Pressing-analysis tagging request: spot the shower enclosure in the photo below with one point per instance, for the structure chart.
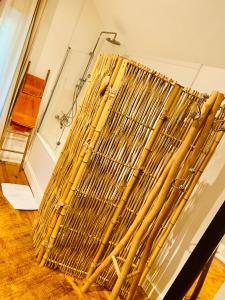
(68, 89)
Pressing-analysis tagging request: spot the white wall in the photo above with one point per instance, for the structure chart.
(198, 213)
(183, 72)
(209, 79)
(186, 30)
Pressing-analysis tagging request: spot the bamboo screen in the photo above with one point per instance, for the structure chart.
(136, 150)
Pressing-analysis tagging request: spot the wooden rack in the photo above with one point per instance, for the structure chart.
(23, 112)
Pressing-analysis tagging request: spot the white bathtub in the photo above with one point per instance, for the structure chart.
(39, 166)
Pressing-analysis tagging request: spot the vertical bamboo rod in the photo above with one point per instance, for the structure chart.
(76, 166)
(66, 245)
(178, 158)
(71, 129)
(190, 161)
(177, 89)
(82, 168)
(94, 180)
(160, 185)
(180, 207)
(74, 169)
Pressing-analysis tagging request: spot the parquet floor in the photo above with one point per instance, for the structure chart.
(20, 276)
(214, 280)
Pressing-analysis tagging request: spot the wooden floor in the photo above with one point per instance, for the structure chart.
(20, 276)
(214, 280)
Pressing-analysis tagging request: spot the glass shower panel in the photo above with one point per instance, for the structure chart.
(62, 98)
(51, 130)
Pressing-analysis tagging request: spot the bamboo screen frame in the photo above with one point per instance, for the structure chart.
(137, 148)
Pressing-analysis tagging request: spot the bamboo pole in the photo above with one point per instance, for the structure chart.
(163, 185)
(68, 145)
(80, 171)
(106, 81)
(56, 169)
(133, 117)
(94, 74)
(182, 151)
(106, 275)
(65, 155)
(76, 226)
(183, 173)
(72, 148)
(180, 207)
(177, 89)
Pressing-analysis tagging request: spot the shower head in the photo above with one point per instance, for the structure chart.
(113, 41)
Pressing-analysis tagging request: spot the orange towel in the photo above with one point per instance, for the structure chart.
(26, 110)
(33, 85)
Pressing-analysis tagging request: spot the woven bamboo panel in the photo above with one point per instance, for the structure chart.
(132, 129)
(105, 65)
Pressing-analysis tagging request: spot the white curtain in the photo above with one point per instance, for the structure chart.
(14, 27)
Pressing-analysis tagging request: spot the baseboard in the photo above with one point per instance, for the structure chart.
(33, 182)
(220, 257)
(220, 254)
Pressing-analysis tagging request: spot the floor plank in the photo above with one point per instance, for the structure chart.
(21, 277)
(214, 280)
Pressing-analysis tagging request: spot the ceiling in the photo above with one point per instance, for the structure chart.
(187, 30)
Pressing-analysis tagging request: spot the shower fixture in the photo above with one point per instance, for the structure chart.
(65, 119)
(113, 41)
